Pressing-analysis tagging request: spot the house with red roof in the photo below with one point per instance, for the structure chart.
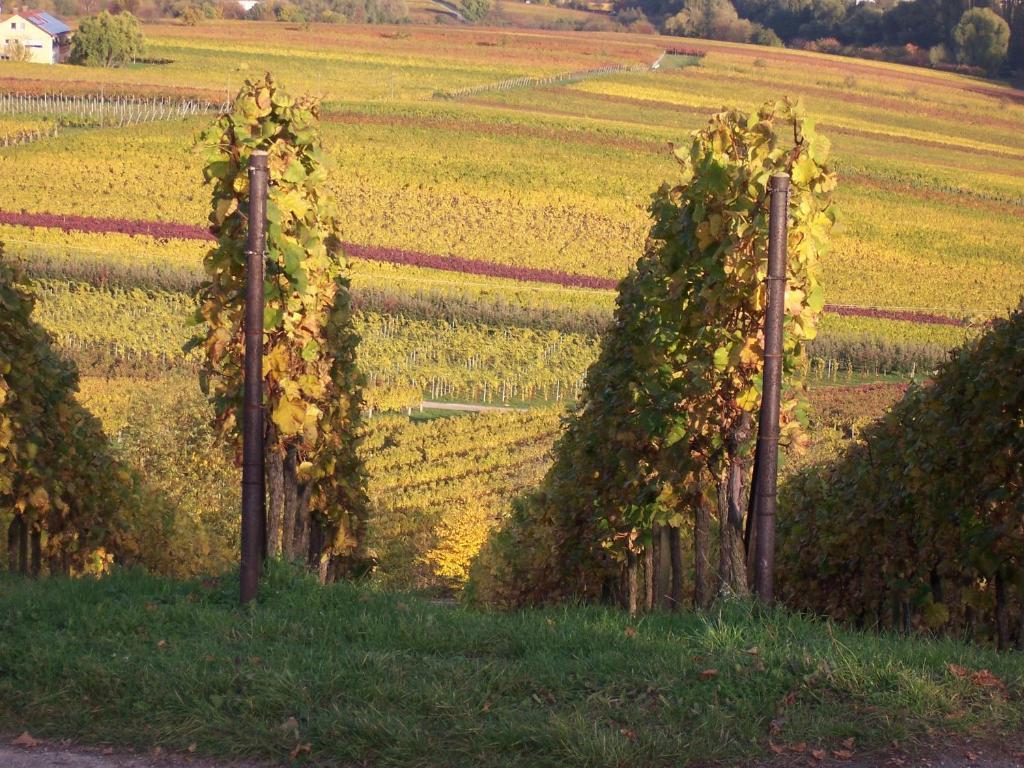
(34, 36)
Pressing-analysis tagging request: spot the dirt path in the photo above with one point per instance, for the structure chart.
(56, 756)
(962, 755)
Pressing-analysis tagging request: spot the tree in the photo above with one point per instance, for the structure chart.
(15, 50)
(107, 41)
(313, 391)
(982, 39)
(1013, 12)
(862, 25)
(474, 10)
(711, 20)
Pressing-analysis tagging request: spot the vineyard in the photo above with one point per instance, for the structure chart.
(513, 348)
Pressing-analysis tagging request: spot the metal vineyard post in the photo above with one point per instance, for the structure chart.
(767, 453)
(253, 482)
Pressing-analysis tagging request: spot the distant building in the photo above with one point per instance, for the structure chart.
(45, 38)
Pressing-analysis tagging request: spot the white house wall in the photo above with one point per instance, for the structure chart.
(39, 43)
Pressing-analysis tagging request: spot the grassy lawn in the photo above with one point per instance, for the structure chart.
(364, 677)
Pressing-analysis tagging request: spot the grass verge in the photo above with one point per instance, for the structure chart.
(362, 677)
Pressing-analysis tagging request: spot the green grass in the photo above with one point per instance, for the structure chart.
(365, 677)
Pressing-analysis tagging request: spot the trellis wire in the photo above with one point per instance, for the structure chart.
(121, 110)
(532, 82)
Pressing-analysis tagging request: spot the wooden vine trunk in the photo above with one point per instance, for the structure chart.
(702, 594)
(675, 545)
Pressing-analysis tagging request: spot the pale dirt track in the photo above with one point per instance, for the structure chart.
(53, 756)
(962, 755)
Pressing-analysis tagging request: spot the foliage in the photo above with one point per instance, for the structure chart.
(923, 517)
(57, 477)
(437, 487)
(15, 50)
(475, 10)
(668, 403)
(982, 39)
(711, 19)
(312, 387)
(162, 430)
(107, 41)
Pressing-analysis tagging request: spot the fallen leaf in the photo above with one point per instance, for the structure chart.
(799, 747)
(985, 679)
(630, 632)
(753, 650)
(26, 741)
(776, 748)
(486, 707)
(709, 674)
(299, 749)
(971, 757)
(775, 727)
(628, 733)
(842, 754)
(957, 670)
(161, 644)
(819, 754)
(291, 724)
(848, 743)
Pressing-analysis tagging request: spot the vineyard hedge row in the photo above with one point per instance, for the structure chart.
(920, 525)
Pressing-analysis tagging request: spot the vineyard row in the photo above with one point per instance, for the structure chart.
(397, 256)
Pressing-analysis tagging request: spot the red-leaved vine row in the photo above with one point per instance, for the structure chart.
(172, 231)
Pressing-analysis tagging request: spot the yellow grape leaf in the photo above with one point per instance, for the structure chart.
(289, 416)
(795, 301)
(39, 498)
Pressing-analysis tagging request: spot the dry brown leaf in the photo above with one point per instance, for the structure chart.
(842, 754)
(776, 748)
(630, 632)
(848, 743)
(819, 754)
(709, 674)
(25, 741)
(957, 670)
(799, 747)
(628, 733)
(300, 749)
(985, 679)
